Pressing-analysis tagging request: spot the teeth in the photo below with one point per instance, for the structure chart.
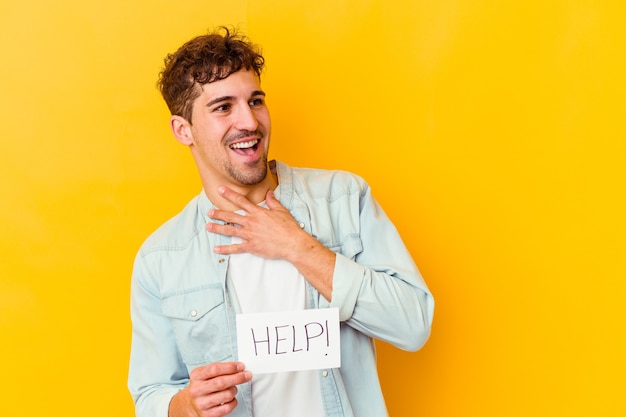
(244, 145)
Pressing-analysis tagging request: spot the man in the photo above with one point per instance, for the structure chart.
(261, 236)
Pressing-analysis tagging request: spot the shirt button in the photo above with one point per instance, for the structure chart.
(301, 224)
(325, 373)
(194, 313)
(221, 260)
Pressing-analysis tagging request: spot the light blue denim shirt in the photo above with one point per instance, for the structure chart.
(183, 313)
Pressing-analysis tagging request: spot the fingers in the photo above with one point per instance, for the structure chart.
(264, 231)
(218, 377)
(213, 388)
(227, 217)
(229, 249)
(237, 199)
(225, 399)
(217, 369)
(272, 202)
(226, 230)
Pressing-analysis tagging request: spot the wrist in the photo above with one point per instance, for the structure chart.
(181, 406)
(316, 263)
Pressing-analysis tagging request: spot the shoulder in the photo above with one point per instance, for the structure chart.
(176, 233)
(327, 182)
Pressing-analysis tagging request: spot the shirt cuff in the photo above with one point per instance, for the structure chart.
(347, 279)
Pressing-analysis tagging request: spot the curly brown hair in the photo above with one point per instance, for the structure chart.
(202, 60)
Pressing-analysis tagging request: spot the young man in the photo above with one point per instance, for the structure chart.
(260, 237)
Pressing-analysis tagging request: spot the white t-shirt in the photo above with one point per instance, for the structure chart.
(267, 285)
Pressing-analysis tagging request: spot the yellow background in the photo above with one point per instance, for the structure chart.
(493, 133)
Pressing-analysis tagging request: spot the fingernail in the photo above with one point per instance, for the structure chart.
(221, 190)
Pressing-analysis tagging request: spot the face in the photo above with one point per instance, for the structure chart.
(229, 132)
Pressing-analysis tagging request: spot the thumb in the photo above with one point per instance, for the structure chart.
(272, 202)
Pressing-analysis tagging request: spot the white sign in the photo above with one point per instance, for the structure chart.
(289, 340)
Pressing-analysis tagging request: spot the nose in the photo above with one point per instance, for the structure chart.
(246, 119)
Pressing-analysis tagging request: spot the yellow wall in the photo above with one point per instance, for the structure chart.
(492, 132)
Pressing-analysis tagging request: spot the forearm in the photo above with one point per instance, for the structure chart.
(390, 303)
(315, 262)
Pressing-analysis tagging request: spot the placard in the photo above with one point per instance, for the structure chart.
(289, 340)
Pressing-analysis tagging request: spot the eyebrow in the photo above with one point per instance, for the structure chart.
(231, 98)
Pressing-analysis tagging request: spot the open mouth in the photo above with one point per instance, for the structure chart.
(245, 148)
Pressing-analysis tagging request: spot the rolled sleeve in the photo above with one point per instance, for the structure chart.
(380, 291)
(347, 280)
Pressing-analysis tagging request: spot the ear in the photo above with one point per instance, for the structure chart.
(181, 130)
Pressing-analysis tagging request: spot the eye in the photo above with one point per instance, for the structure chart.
(255, 102)
(222, 108)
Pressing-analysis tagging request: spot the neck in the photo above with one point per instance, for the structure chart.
(255, 193)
